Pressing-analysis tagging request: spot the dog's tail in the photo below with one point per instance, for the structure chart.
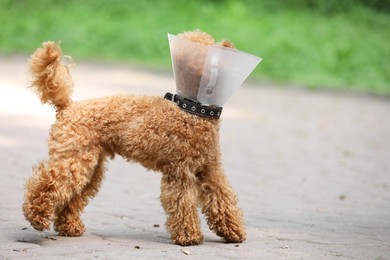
(50, 77)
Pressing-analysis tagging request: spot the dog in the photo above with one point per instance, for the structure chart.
(152, 131)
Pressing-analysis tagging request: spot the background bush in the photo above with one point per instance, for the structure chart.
(336, 44)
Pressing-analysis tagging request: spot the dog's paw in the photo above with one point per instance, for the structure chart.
(233, 235)
(70, 229)
(188, 240)
(40, 225)
(39, 222)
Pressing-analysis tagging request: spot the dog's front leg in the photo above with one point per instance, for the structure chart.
(179, 198)
(219, 204)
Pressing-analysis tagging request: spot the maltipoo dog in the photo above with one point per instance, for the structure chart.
(153, 131)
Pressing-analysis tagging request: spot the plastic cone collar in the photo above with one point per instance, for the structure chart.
(208, 74)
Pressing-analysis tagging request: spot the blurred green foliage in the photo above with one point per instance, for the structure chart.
(308, 42)
(325, 6)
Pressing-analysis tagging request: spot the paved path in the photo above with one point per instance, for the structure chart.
(311, 170)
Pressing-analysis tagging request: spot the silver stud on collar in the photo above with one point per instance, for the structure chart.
(193, 108)
(203, 111)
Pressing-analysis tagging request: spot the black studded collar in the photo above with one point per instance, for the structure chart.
(195, 108)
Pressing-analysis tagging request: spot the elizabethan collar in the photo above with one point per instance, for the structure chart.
(208, 74)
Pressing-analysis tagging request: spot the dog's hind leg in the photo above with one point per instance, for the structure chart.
(55, 183)
(68, 222)
(219, 204)
(179, 199)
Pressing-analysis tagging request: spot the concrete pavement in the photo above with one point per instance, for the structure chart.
(311, 170)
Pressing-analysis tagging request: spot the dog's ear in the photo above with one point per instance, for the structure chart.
(226, 43)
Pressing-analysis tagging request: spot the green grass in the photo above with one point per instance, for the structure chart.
(343, 49)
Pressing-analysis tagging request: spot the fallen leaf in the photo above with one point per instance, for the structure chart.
(186, 252)
(20, 250)
(124, 218)
(342, 196)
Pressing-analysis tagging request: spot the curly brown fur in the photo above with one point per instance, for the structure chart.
(51, 79)
(149, 130)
